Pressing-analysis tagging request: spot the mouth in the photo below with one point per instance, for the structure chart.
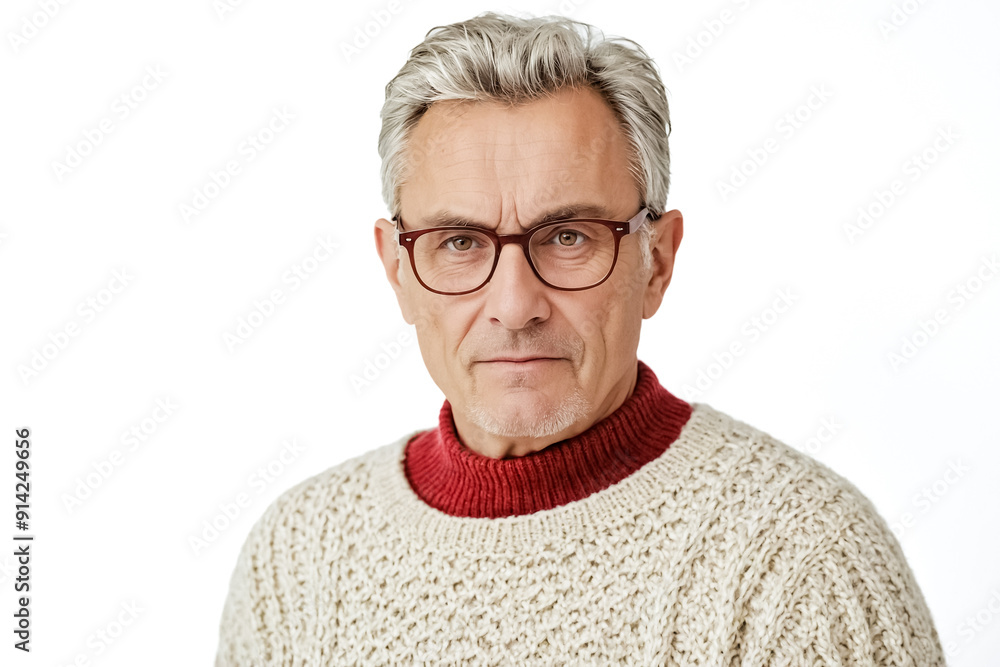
(523, 364)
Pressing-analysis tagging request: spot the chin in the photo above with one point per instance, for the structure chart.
(524, 414)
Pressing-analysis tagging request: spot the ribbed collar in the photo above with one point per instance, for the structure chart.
(450, 477)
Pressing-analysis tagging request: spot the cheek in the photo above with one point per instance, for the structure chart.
(603, 315)
(592, 325)
(433, 350)
(612, 320)
(441, 326)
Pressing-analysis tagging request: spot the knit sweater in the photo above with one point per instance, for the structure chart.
(666, 534)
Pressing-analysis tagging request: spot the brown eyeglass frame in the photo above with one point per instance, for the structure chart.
(406, 239)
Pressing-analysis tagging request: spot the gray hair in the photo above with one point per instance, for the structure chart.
(495, 57)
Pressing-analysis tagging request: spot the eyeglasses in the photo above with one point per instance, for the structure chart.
(569, 255)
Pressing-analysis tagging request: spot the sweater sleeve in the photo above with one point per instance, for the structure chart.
(852, 601)
(244, 630)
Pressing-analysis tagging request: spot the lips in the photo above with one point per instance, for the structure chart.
(519, 360)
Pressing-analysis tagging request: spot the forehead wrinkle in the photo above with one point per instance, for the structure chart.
(556, 178)
(455, 170)
(566, 162)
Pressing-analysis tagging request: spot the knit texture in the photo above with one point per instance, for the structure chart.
(730, 548)
(449, 476)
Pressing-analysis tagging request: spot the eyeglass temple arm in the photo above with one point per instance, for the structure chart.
(398, 224)
(636, 222)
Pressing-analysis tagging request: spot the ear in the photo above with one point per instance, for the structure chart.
(669, 229)
(389, 252)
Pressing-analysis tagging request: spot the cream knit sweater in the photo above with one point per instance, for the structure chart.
(729, 549)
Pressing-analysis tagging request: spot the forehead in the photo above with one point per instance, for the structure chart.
(490, 161)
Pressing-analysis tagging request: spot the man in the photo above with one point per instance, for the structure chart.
(567, 509)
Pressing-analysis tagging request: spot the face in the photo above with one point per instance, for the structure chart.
(522, 364)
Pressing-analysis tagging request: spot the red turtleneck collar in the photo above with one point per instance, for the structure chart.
(459, 481)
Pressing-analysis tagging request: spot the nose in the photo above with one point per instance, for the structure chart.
(515, 297)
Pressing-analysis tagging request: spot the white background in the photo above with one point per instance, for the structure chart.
(894, 74)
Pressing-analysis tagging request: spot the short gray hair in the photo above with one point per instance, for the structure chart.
(495, 57)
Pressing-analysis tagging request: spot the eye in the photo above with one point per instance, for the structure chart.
(565, 237)
(568, 237)
(460, 243)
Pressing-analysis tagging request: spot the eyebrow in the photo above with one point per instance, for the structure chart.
(445, 218)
